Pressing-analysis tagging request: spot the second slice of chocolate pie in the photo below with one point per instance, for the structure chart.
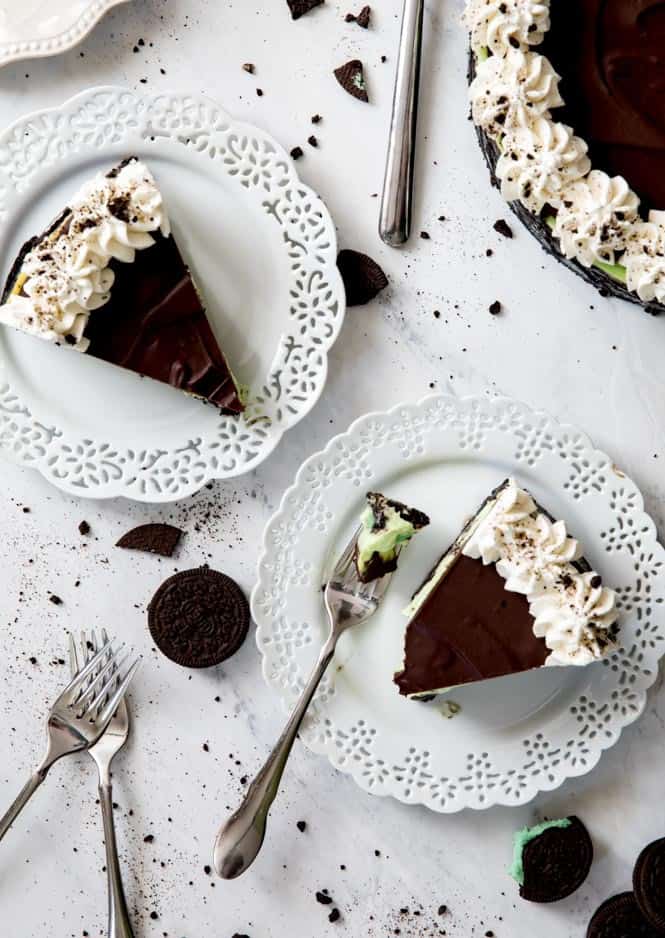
(513, 593)
(108, 279)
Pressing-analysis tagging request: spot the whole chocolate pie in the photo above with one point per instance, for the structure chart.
(107, 278)
(575, 133)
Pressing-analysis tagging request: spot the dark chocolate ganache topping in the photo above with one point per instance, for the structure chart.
(155, 324)
(468, 629)
(611, 57)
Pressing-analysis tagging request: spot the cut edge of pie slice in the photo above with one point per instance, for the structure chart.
(107, 279)
(512, 593)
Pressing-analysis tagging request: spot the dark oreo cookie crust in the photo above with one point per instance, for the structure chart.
(649, 883)
(298, 8)
(538, 227)
(159, 539)
(620, 917)
(556, 863)
(363, 278)
(198, 618)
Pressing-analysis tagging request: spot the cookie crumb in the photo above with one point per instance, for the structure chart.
(503, 228)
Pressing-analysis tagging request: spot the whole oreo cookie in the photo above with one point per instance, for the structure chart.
(649, 883)
(620, 917)
(556, 862)
(198, 618)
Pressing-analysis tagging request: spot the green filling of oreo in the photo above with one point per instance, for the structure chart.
(525, 836)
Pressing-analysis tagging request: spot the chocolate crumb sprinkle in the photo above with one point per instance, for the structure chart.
(503, 228)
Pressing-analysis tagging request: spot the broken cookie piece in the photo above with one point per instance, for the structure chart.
(352, 79)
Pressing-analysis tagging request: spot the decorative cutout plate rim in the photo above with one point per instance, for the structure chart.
(70, 26)
(512, 768)
(197, 129)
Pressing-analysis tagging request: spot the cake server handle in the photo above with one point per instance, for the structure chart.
(395, 218)
(241, 837)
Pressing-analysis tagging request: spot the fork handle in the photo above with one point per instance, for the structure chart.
(22, 799)
(119, 924)
(240, 839)
(395, 218)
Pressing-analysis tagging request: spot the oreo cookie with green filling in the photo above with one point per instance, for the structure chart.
(552, 859)
(649, 883)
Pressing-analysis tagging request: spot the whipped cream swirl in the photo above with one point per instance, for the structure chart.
(644, 258)
(539, 162)
(500, 25)
(573, 612)
(66, 276)
(512, 90)
(595, 218)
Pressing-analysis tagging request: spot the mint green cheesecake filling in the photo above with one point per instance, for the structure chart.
(525, 836)
(386, 540)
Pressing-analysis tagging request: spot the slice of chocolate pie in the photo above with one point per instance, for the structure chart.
(386, 527)
(512, 593)
(107, 278)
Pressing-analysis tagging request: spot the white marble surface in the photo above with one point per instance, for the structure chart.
(557, 345)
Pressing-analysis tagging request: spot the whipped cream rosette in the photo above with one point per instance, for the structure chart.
(644, 259)
(63, 280)
(512, 90)
(539, 161)
(594, 218)
(501, 24)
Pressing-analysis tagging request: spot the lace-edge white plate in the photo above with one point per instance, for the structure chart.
(234, 194)
(26, 33)
(512, 737)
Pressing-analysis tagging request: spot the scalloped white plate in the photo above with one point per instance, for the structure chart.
(261, 245)
(514, 736)
(34, 28)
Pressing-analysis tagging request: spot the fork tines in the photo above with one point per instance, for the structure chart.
(99, 686)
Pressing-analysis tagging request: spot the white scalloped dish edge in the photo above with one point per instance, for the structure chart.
(69, 27)
(367, 731)
(172, 452)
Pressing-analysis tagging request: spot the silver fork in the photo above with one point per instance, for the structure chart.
(78, 718)
(348, 602)
(102, 752)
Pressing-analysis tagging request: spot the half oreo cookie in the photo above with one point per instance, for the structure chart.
(199, 618)
(552, 859)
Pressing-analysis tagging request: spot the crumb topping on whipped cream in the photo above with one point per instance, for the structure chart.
(497, 24)
(542, 163)
(644, 259)
(573, 612)
(594, 218)
(539, 162)
(512, 90)
(66, 276)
